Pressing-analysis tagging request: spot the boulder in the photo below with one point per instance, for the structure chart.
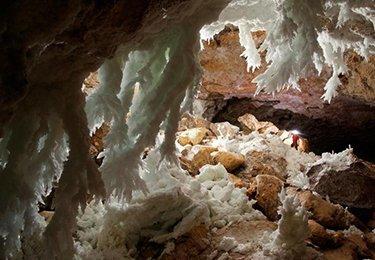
(353, 247)
(250, 123)
(268, 188)
(319, 235)
(225, 129)
(251, 186)
(345, 252)
(192, 136)
(229, 160)
(352, 187)
(258, 162)
(188, 121)
(201, 157)
(332, 216)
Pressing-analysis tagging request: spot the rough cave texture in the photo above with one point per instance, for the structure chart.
(47, 46)
(350, 118)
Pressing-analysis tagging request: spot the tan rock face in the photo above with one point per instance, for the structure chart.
(224, 129)
(229, 160)
(360, 81)
(268, 188)
(200, 158)
(188, 122)
(250, 123)
(192, 136)
(203, 157)
(238, 182)
(353, 246)
(319, 235)
(263, 163)
(329, 215)
(225, 72)
(352, 187)
(345, 252)
(97, 144)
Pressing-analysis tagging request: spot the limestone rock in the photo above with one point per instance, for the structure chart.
(268, 188)
(258, 162)
(188, 121)
(319, 235)
(332, 216)
(352, 187)
(201, 157)
(192, 136)
(353, 247)
(251, 188)
(237, 181)
(250, 123)
(344, 252)
(225, 129)
(359, 241)
(229, 160)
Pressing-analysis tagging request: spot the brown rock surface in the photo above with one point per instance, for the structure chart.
(200, 158)
(258, 162)
(352, 187)
(237, 181)
(268, 188)
(192, 136)
(250, 123)
(353, 247)
(229, 160)
(224, 129)
(344, 252)
(319, 236)
(332, 216)
(360, 81)
(188, 121)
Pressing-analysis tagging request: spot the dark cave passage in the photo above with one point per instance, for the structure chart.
(325, 134)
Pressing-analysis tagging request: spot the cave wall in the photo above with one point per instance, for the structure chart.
(348, 119)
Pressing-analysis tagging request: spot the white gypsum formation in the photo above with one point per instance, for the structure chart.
(302, 37)
(38, 140)
(49, 134)
(288, 241)
(175, 204)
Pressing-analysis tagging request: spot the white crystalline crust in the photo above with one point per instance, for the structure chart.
(176, 204)
(302, 37)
